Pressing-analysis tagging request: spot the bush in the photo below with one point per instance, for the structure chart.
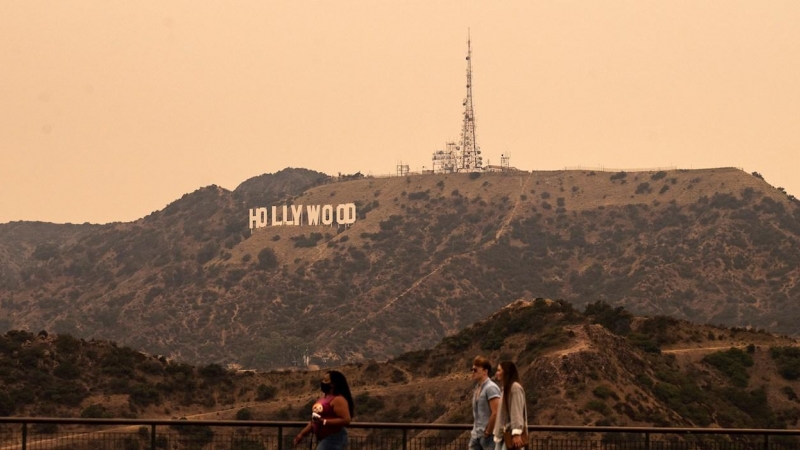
(421, 195)
(208, 252)
(604, 392)
(788, 361)
(658, 175)
(267, 260)
(474, 175)
(144, 395)
(6, 405)
(733, 363)
(67, 370)
(305, 242)
(95, 411)
(618, 176)
(265, 392)
(616, 320)
(244, 414)
(212, 371)
(599, 406)
(43, 252)
(368, 406)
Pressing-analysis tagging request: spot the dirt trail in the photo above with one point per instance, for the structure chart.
(392, 301)
(513, 212)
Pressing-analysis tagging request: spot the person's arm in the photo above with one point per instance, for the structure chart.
(517, 410)
(302, 434)
(342, 411)
(500, 420)
(494, 403)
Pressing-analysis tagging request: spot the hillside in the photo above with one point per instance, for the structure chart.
(428, 256)
(599, 367)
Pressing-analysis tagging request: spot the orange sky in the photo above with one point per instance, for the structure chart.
(111, 110)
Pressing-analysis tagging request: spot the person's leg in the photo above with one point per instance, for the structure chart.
(487, 443)
(337, 441)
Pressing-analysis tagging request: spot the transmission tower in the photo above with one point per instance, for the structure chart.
(469, 159)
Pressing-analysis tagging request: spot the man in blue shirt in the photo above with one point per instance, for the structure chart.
(485, 401)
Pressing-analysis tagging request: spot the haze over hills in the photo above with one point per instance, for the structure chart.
(428, 255)
(599, 367)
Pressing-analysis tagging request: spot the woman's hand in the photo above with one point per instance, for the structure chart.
(517, 441)
(297, 438)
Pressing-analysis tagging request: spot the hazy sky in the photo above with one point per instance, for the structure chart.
(110, 110)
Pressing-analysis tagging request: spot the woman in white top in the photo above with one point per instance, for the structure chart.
(512, 414)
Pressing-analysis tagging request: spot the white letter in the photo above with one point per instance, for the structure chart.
(258, 218)
(297, 214)
(327, 215)
(286, 220)
(313, 214)
(275, 220)
(346, 214)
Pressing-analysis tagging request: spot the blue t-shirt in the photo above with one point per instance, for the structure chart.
(481, 411)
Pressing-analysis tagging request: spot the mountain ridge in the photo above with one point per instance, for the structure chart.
(429, 255)
(602, 366)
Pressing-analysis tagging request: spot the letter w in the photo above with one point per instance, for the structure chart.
(313, 214)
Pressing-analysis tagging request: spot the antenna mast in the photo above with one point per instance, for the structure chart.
(470, 159)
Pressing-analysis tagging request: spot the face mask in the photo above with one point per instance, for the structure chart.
(326, 387)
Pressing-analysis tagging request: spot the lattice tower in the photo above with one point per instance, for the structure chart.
(469, 159)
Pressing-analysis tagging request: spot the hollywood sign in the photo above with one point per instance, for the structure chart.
(315, 215)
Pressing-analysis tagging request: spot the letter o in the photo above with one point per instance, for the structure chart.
(346, 214)
(327, 215)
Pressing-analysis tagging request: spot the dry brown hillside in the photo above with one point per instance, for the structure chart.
(600, 367)
(429, 255)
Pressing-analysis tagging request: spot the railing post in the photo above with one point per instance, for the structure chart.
(646, 440)
(24, 435)
(153, 437)
(405, 439)
(280, 437)
(766, 441)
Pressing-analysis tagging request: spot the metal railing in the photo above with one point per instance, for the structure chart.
(141, 434)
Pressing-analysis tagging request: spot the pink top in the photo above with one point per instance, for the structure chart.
(324, 408)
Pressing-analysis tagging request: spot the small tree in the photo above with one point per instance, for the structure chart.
(265, 392)
(267, 260)
(244, 414)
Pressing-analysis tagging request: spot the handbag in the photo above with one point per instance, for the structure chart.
(508, 439)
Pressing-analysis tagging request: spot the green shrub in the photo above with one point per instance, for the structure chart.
(733, 363)
(244, 414)
(604, 392)
(267, 260)
(643, 188)
(207, 252)
(265, 392)
(368, 406)
(67, 370)
(6, 405)
(599, 406)
(144, 395)
(616, 320)
(788, 361)
(43, 252)
(95, 411)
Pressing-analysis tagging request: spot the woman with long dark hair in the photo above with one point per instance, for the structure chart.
(513, 415)
(331, 413)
